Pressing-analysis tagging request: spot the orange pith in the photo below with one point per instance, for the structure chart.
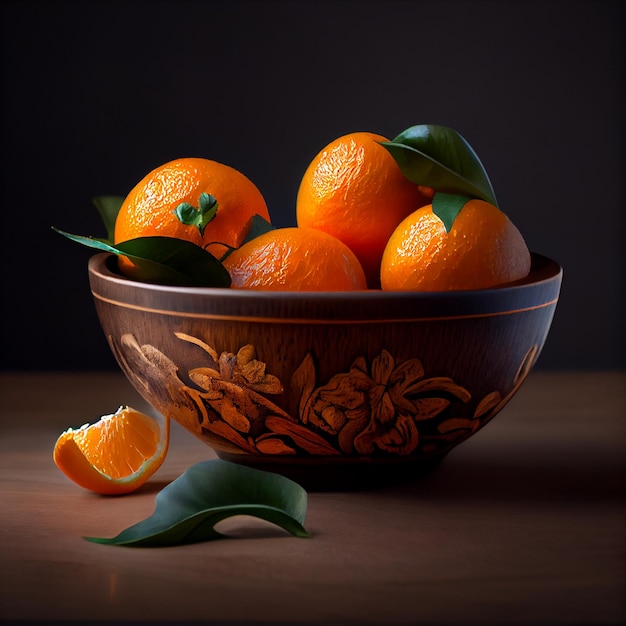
(114, 455)
(148, 210)
(483, 249)
(354, 190)
(295, 259)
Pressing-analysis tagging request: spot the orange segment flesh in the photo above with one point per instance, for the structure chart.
(115, 455)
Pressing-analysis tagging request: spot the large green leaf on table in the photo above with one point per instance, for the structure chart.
(164, 260)
(188, 509)
(440, 158)
(108, 207)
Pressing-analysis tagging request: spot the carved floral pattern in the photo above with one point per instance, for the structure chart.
(386, 407)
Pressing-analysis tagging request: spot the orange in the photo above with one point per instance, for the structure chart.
(148, 210)
(295, 259)
(482, 249)
(354, 190)
(115, 455)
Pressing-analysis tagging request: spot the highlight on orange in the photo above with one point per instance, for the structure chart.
(482, 249)
(115, 455)
(149, 208)
(354, 190)
(295, 259)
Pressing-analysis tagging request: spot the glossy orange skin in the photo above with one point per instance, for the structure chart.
(148, 209)
(295, 259)
(483, 249)
(354, 190)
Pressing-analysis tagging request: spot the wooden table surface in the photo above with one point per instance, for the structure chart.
(522, 524)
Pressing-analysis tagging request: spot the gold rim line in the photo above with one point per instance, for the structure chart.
(286, 320)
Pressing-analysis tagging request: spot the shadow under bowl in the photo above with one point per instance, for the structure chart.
(334, 390)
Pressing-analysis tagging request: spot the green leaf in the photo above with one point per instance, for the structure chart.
(108, 207)
(447, 206)
(187, 510)
(256, 226)
(164, 260)
(440, 158)
(198, 216)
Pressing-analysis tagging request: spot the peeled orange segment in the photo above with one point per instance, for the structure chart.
(116, 454)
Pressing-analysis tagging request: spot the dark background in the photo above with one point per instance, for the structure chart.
(96, 94)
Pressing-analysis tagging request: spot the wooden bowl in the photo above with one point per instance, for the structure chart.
(335, 390)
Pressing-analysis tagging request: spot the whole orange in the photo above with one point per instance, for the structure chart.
(482, 249)
(295, 259)
(148, 209)
(354, 190)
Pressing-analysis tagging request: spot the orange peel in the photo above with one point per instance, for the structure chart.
(115, 455)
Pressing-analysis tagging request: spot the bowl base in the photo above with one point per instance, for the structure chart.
(341, 473)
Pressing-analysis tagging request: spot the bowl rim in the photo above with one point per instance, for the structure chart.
(539, 289)
(543, 268)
